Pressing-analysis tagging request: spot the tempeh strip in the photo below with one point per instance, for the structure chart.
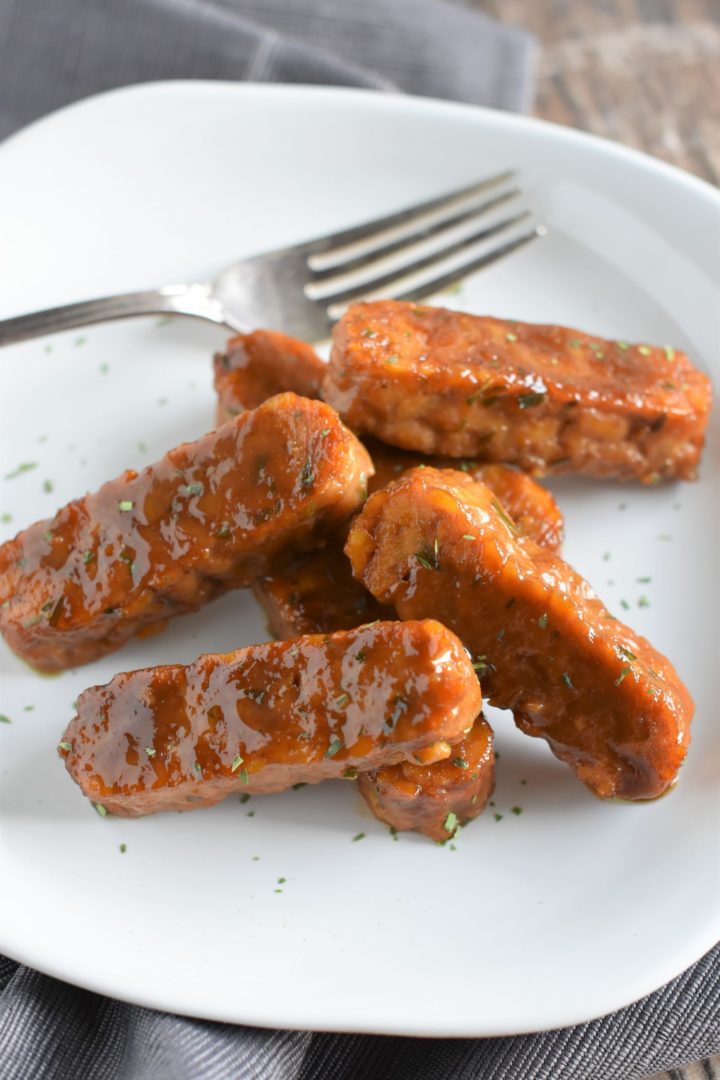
(259, 365)
(435, 799)
(210, 516)
(546, 398)
(263, 718)
(546, 647)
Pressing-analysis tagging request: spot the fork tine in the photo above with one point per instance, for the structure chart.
(389, 241)
(339, 289)
(403, 289)
(369, 228)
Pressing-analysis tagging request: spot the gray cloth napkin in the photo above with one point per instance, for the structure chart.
(53, 52)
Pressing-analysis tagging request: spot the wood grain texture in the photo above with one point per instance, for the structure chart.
(643, 72)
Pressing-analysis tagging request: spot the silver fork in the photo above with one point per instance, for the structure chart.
(302, 290)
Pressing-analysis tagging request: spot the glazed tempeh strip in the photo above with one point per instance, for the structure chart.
(256, 366)
(546, 398)
(546, 647)
(210, 516)
(435, 799)
(263, 718)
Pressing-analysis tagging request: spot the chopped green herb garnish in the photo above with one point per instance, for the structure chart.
(324, 433)
(350, 773)
(498, 817)
(575, 343)
(360, 656)
(6, 720)
(450, 823)
(527, 401)
(28, 708)
(192, 489)
(606, 556)
(24, 467)
(335, 745)
(543, 620)
(429, 559)
(504, 517)
(644, 580)
(392, 359)
(258, 695)
(500, 635)
(644, 350)
(243, 776)
(150, 751)
(100, 809)
(367, 332)
(393, 832)
(623, 345)
(296, 787)
(626, 653)
(48, 486)
(142, 447)
(517, 810)
(623, 674)
(624, 605)
(79, 341)
(510, 336)
(224, 531)
(123, 848)
(460, 763)
(197, 767)
(643, 602)
(307, 476)
(88, 557)
(567, 680)
(342, 700)
(5, 518)
(125, 505)
(245, 798)
(104, 368)
(669, 352)
(358, 836)
(236, 763)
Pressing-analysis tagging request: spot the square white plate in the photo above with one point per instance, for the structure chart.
(545, 918)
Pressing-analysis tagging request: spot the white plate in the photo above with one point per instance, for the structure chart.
(562, 913)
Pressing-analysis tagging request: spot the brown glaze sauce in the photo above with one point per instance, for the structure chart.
(436, 543)
(547, 398)
(259, 365)
(263, 718)
(435, 799)
(210, 516)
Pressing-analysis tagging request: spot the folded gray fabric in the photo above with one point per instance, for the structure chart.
(53, 52)
(51, 1031)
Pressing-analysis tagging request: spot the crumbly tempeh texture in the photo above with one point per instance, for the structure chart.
(210, 516)
(268, 716)
(435, 799)
(605, 700)
(256, 366)
(546, 398)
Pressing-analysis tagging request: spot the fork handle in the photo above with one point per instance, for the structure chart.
(191, 300)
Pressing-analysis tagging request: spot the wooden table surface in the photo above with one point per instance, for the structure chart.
(643, 72)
